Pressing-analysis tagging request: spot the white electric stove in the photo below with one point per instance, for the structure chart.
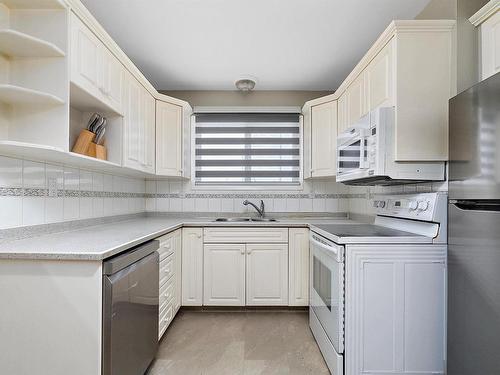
(405, 228)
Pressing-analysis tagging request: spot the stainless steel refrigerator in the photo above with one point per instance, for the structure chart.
(474, 231)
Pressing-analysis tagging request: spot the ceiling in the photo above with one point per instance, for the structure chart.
(285, 44)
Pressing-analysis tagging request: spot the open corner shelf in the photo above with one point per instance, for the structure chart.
(34, 4)
(11, 94)
(48, 154)
(14, 43)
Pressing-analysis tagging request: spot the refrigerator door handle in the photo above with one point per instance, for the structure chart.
(477, 205)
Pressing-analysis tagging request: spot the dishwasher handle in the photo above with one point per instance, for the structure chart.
(119, 262)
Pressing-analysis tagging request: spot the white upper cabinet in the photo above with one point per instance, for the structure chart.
(342, 122)
(410, 67)
(94, 68)
(267, 274)
(139, 127)
(488, 21)
(149, 132)
(169, 137)
(380, 79)
(85, 56)
(224, 274)
(324, 139)
(356, 100)
(111, 79)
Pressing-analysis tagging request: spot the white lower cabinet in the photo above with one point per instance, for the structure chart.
(298, 267)
(253, 274)
(250, 267)
(395, 307)
(224, 275)
(267, 274)
(170, 277)
(192, 266)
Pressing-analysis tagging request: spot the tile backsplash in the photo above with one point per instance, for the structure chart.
(33, 193)
(178, 196)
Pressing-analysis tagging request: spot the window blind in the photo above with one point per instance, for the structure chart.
(247, 149)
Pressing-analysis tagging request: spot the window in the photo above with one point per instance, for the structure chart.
(247, 149)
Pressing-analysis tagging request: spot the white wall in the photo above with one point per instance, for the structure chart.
(79, 194)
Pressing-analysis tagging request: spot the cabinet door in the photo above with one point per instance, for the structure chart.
(298, 267)
(149, 125)
(111, 79)
(356, 100)
(395, 306)
(168, 139)
(224, 275)
(267, 274)
(85, 57)
(178, 269)
(192, 266)
(342, 113)
(324, 139)
(380, 78)
(490, 46)
(133, 137)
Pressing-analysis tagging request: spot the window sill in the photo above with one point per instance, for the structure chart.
(261, 188)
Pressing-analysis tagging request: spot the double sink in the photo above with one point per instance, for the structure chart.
(244, 219)
(260, 211)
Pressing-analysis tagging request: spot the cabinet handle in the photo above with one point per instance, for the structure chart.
(242, 252)
(249, 252)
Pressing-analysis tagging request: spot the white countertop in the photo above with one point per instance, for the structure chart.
(95, 243)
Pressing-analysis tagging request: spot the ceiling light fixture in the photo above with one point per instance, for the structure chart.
(245, 84)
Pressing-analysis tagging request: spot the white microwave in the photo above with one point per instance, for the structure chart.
(365, 154)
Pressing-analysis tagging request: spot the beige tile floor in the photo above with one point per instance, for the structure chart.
(248, 342)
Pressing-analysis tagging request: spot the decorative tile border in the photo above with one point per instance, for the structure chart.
(43, 192)
(31, 192)
(249, 196)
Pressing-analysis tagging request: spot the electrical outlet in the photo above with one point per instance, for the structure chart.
(52, 182)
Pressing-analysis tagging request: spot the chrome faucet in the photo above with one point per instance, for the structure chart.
(260, 210)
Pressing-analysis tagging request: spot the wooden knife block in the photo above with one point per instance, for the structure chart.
(83, 142)
(85, 145)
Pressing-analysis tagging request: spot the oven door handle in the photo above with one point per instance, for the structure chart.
(337, 251)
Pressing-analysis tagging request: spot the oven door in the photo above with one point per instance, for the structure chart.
(327, 288)
(352, 155)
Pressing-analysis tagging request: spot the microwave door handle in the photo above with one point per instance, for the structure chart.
(362, 150)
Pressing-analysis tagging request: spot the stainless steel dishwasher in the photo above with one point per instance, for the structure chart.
(130, 310)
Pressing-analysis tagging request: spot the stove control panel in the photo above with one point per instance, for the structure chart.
(421, 206)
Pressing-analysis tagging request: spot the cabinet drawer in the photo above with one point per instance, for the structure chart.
(166, 269)
(167, 293)
(166, 316)
(245, 235)
(166, 247)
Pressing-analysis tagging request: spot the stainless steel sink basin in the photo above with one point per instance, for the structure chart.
(244, 219)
